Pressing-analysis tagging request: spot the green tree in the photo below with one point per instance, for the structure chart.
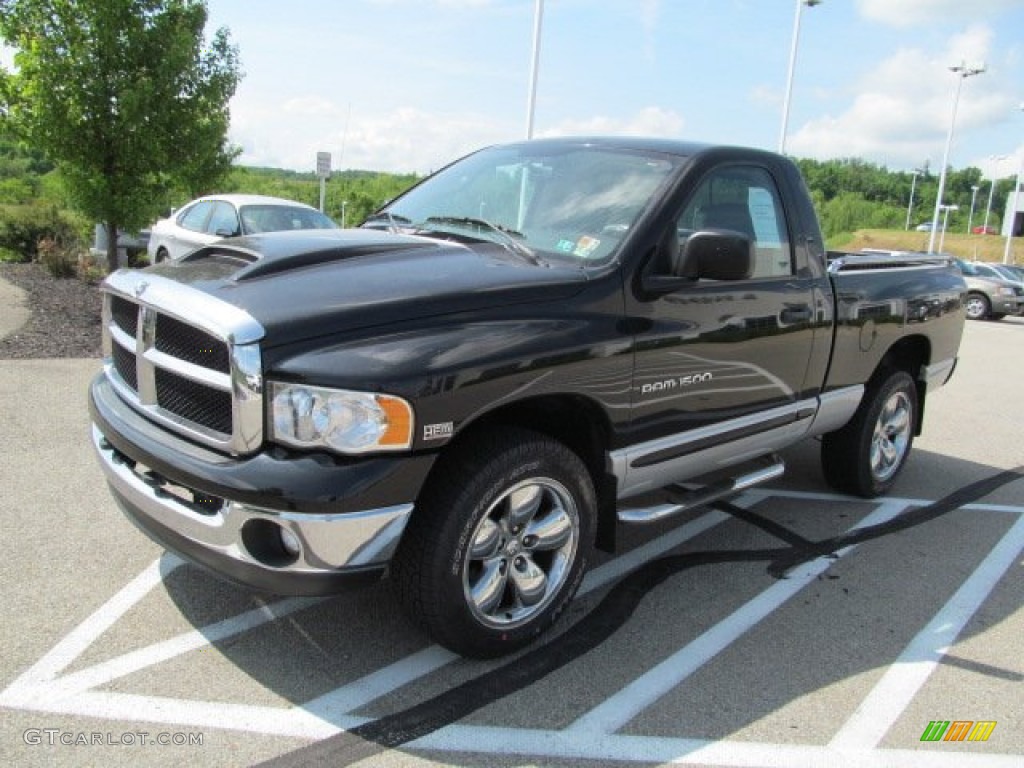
(126, 97)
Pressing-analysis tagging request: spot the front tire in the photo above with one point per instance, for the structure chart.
(865, 457)
(498, 544)
(978, 306)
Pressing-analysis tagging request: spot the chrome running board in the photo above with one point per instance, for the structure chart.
(681, 499)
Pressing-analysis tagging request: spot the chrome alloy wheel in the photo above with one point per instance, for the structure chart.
(521, 553)
(891, 437)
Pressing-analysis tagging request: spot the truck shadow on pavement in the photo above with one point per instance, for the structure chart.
(358, 633)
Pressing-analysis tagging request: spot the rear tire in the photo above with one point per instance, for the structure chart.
(865, 457)
(498, 543)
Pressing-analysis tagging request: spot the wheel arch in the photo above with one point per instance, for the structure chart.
(910, 354)
(577, 422)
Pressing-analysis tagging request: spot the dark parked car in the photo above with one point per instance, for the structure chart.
(470, 405)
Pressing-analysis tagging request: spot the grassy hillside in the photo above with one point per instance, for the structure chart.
(971, 247)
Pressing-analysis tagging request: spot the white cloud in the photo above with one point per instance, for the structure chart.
(1001, 166)
(650, 121)
(901, 110)
(411, 139)
(403, 140)
(908, 13)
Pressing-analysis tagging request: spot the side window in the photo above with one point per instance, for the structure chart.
(195, 217)
(223, 219)
(743, 199)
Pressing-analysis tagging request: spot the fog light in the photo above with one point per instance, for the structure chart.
(290, 543)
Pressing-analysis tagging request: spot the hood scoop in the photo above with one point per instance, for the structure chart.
(271, 265)
(273, 253)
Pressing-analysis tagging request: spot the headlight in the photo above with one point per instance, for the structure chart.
(1004, 291)
(338, 419)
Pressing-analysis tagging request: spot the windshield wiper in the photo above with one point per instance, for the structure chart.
(392, 220)
(506, 236)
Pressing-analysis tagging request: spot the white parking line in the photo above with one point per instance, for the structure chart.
(901, 682)
(43, 687)
(617, 710)
(567, 745)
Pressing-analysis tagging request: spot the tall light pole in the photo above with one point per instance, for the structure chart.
(962, 72)
(792, 68)
(992, 187)
(974, 197)
(531, 101)
(945, 222)
(988, 208)
(1013, 209)
(913, 183)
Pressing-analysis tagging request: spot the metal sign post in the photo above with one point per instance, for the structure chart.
(323, 170)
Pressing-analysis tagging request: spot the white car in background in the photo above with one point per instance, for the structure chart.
(211, 218)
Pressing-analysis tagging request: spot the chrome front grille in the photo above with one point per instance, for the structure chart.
(185, 359)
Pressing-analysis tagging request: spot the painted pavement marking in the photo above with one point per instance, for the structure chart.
(44, 688)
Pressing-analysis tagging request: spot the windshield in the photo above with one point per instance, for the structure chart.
(544, 203)
(277, 218)
(1006, 273)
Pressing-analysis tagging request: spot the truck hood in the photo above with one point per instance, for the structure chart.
(301, 285)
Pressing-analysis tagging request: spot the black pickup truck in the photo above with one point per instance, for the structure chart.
(534, 346)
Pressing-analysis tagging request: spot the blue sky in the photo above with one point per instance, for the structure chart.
(407, 85)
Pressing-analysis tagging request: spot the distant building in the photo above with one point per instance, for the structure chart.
(1014, 218)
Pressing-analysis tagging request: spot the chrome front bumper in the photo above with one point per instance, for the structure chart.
(283, 552)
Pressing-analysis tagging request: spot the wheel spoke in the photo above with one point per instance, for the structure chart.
(529, 580)
(523, 504)
(900, 421)
(487, 591)
(551, 531)
(888, 452)
(486, 542)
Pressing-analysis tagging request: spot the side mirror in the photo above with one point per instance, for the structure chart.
(715, 254)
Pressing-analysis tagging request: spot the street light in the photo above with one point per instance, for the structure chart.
(913, 183)
(992, 186)
(974, 196)
(792, 68)
(945, 222)
(531, 101)
(962, 72)
(1013, 209)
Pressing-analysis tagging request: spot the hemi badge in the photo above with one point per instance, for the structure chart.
(438, 431)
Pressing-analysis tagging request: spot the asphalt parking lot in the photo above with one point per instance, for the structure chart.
(791, 627)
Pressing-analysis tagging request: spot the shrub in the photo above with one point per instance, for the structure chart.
(90, 270)
(23, 227)
(58, 259)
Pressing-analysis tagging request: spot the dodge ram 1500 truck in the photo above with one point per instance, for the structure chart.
(503, 366)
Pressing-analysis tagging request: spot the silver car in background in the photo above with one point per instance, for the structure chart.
(989, 295)
(211, 218)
